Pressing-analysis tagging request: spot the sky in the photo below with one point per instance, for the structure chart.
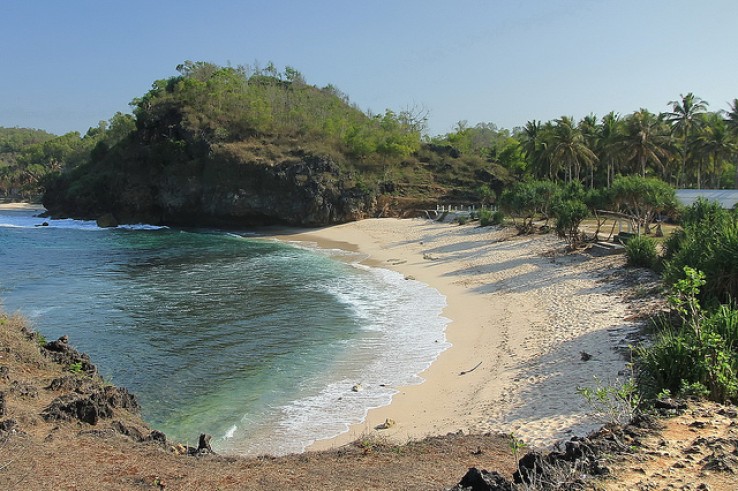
(66, 65)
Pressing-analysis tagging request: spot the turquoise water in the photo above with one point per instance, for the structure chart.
(255, 341)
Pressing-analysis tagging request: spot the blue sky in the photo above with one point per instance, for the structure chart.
(68, 65)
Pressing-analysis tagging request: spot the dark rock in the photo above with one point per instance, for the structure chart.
(8, 425)
(72, 383)
(204, 443)
(670, 404)
(729, 412)
(482, 480)
(157, 436)
(3, 404)
(107, 221)
(4, 373)
(24, 390)
(62, 353)
(585, 356)
(90, 408)
(130, 431)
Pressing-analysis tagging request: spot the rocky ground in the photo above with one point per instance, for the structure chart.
(63, 428)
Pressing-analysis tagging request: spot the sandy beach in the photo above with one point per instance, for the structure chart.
(22, 207)
(518, 306)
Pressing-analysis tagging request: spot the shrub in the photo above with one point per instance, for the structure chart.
(698, 357)
(708, 242)
(485, 218)
(498, 218)
(569, 214)
(641, 251)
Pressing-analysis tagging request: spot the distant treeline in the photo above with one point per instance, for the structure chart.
(262, 115)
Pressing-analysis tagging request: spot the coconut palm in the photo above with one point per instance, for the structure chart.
(609, 144)
(569, 148)
(534, 145)
(715, 144)
(589, 129)
(732, 122)
(645, 140)
(683, 119)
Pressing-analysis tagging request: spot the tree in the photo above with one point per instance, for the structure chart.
(569, 148)
(715, 144)
(645, 140)
(683, 119)
(732, 123)
(590, 134)
(642, 198)
(529, 200)
(534, 146)
(609, 147)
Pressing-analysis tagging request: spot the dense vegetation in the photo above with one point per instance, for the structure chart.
(209, 114)
(218, 131)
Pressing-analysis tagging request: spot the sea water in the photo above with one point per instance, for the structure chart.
(254, 341)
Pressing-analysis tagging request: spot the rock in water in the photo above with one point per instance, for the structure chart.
(107, 221)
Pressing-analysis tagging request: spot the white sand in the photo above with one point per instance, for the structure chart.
(22, 206)
(522, 310)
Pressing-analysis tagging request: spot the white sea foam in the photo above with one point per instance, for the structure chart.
(404, 332)
(27, 219)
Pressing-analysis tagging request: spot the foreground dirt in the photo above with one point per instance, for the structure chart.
(695, 449)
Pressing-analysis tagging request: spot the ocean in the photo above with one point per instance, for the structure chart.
(255, 341)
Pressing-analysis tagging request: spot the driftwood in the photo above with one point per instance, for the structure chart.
(469, 371)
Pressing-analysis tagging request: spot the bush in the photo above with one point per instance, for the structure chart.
(698, 357)
(498, 218)
(485, 218)
(708, 242)
(641, 251)
(569, 214)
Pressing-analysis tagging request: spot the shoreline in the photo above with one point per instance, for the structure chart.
(515, 306)
(22, 207)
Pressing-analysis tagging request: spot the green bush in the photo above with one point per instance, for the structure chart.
(641, 251)
(708, 242)
(485, 218)
(498, 218)
(569, 214)
(698, 357)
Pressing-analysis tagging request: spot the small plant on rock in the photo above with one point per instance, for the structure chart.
(616, 402)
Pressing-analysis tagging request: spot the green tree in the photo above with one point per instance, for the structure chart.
(684, 120)
(609, 147)
(714, 142)
(569, 149)
(642, 198)
(535, 148)
(645, 140)
(732, 122)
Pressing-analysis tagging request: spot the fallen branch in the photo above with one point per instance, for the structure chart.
(469, 371)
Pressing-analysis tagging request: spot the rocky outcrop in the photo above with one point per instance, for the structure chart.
(220, 189)
(62, 353)
(89, 408)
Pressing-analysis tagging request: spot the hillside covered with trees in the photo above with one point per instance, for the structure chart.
(249, 145)
(241, 146)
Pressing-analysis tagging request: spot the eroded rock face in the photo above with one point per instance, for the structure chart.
(90, 408)
(224, 190)
(62, 353)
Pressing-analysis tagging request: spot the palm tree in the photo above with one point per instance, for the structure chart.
(590, 134)
(683, 119)
(645, 140)
(609, 144)
(534, 146)
(732, 123)
(569, 148)
(714, 142)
